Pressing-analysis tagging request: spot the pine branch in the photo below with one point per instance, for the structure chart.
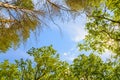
(6, 20)
(9, 6)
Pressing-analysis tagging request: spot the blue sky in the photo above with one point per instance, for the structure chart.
(65, 42)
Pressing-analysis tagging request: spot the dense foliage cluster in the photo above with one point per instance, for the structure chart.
(46, 65)
(103, 24)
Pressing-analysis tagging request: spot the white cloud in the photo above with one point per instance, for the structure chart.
(76, 29)
(74, 52)
(65, 54)
(70, 55)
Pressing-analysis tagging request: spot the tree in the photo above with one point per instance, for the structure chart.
(18, 18)
(9, 71)
(102, 25)
(16, 22)
(92, 67)
(87, 67)
(45, 65)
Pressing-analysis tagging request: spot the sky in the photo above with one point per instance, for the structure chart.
(63, 39)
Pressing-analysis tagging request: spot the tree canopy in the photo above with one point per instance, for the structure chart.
(18, 18)
(102, 25)
(46, 65)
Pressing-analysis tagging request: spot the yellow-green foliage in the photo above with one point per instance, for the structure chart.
(46, 65)
(16, 32)
(82, 4)
(27, 4)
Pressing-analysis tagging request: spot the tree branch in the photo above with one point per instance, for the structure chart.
(102, 17)
(60, 7)
(110, 35)
(6, 20)
(9, 6)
